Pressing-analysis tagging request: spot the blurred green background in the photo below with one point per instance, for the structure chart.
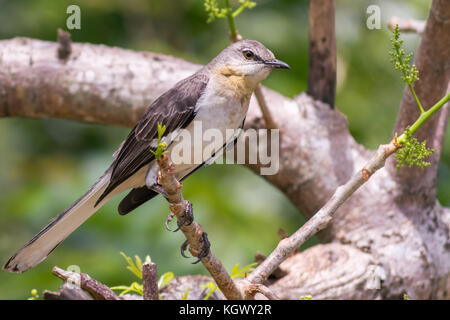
(46, 164)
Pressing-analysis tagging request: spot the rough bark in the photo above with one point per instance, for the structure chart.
(373, 237)
(150, 281)
(322, 51)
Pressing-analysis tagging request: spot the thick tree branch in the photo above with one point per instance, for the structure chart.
(418, 186)
(319, 270)
(92, 80)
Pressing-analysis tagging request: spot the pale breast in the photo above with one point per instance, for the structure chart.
(219, 109)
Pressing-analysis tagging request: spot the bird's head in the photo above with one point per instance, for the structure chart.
(249, 59)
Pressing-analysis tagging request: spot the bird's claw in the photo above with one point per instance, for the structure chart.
(168, 219)
(188, 217)
(204, 251)
(184, 248)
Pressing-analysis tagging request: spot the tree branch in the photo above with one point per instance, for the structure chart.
(323, 217)
(97, 290)
(193, 231)
(94, 84)
(330, 271)
(322, 51)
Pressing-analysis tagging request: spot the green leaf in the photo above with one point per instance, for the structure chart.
(240, 273)
(134, 287)
(138, 263)
(161, 145)
(136, 269)
(165, 279)
(211, 286)
(185, 295)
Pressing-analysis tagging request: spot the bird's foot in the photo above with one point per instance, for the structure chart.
(188, 217)
(204, 251)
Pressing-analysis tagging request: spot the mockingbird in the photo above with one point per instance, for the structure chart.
(218, 95)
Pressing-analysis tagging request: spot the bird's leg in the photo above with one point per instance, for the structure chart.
(184, 248)
(157, 187)
(186, 219)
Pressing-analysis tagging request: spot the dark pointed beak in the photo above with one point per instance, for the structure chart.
(278, 64)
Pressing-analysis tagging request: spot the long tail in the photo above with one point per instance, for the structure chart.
(42, 244)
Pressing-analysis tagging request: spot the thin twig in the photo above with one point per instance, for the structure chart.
(323, 217)
(278, 273)
(251, 289)
(193, 231)
(407, 25)
(267, 115)
(96, 289)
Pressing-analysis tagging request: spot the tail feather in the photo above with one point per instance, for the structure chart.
(135, 198)
(42, 244)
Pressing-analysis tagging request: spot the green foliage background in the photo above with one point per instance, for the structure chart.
(47, 164)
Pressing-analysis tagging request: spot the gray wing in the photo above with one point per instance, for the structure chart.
(138, 196)
(175, 109)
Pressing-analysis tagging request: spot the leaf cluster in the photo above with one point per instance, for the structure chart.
(413, 152)
(215, 11)
(136, 268)
(162, 145)
(401, 60)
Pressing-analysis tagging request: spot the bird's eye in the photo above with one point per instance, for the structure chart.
(248, 54)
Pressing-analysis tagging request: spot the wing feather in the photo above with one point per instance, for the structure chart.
(175, 109)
